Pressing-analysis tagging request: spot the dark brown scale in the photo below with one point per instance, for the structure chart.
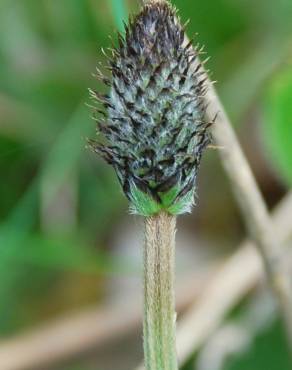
(157, 174)
(144, 187)
(186, 189)
(134, 123)
(182, 81)
(167, 162)
(168, 184)
(174, 138)
(186, 116)
(187, 105)
(148, 153)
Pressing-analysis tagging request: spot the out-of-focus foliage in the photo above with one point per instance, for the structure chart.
(260, 355)
(119, 9)
(48, 51)
(277, 122)
(58, 202)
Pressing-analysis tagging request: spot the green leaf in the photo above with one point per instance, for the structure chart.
(277, 124)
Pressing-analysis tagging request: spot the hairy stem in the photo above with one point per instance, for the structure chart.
(159, 306)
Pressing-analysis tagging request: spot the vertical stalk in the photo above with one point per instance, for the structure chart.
(159, 304)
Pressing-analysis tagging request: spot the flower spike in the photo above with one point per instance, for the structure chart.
(155, 131)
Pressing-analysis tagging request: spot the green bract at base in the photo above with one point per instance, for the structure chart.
(144, 204)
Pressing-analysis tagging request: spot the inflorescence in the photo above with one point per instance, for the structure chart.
(154, 130)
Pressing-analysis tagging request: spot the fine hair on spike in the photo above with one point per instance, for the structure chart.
(154, 132)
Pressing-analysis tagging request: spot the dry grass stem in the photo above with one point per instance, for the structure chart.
(253, 208)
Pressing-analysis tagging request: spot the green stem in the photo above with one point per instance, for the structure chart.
(159, 307)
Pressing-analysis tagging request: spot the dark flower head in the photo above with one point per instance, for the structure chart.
(154, 129)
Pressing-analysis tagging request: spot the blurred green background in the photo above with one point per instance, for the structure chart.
(60, 205)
